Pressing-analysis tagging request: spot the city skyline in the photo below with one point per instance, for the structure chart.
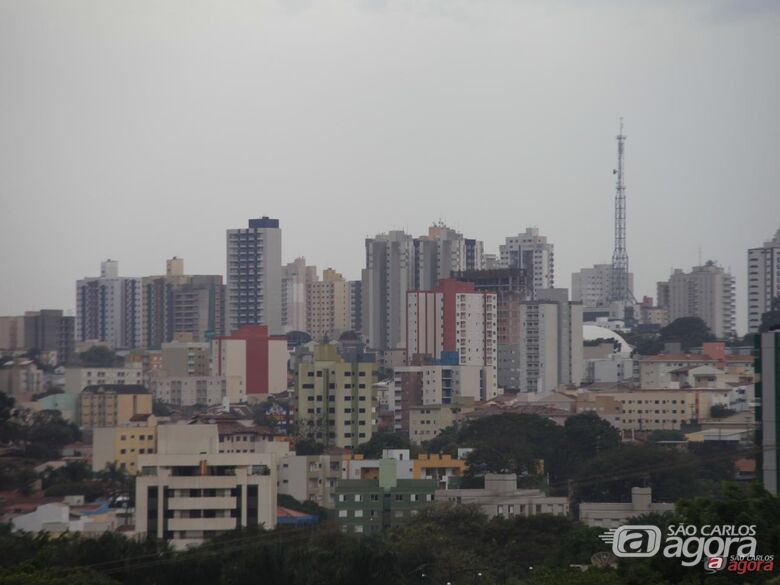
(479, 117)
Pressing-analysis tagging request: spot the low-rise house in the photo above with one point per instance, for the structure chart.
(70, 515)
(501, 497)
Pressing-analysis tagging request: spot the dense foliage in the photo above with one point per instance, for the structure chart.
(444, 543)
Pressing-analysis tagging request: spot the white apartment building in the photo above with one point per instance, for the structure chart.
(254, 276)
(763, 280)
(531, 251)
(706, 292)
(614, 514)
(189, 390)
(188, 491)
(109, 308)
(76, 379)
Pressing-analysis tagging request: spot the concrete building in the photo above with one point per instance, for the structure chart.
(328, 312)
(12, 333)
(254, 275)
(310, 478)
(433, 385)
(181, 359)
(656, 371)
(501, 497)
(189, 390)
(427, 421)
(21, 378)
(440, 254)
(763, 280)
(336, 399)
(253, 362)
(296, 277)
(122, 444)
(389, 273)
(109, 405)
(532, 252)
(69, 516)
(614, 514)
(355, 294)
(545, 348)
(48, 330)
(365, 506)
(76, 379)
(452, 319)
(188, 492)
(593, 287)
(109, 308)
(768, 399)
(706, 292)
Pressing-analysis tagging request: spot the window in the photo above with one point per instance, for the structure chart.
(358, 513)
(342, 513)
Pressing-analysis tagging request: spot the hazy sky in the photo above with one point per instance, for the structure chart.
(142, 130)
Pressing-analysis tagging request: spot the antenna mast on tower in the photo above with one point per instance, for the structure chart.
(620, 289)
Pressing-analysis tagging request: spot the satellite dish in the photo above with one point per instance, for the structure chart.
(603, 560)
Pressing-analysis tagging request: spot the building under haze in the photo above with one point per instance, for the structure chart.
(109, 308)
(706, 292)
(296, 277)
(532, 252)
(254, 275)
(763, 280)
(767, 367)
(593, 287)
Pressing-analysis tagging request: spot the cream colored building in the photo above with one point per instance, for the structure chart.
(328, 306)
(76, 379)
(110, 405)
(614, 514)
(180, 359)
(655, 371)
(336, 399)
(501, 497)
(427, 421)
(21, 378)
(123, 444)
(188, 492)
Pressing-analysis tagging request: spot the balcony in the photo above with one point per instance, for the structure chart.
(187, 503)
(201, 523)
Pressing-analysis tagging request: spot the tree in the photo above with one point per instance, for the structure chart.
(445, 442)
(98, 356)
(588, 435)
(687, 331)
(721, 411)
(671, 473)
(308, 447)
(379, 441)
(660, 435)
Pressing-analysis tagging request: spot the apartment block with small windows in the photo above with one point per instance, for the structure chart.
(112, 405)
(123, 444)
(336, 399)
(763, 280)
(366, 506)
(189, 390)
(76, 379)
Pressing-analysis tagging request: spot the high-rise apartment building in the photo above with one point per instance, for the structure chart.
(397, 263)
(50, 330)
(254, 275)
(452, 320)
(12, 333)
(296, 277)
(706, 292)
(389, 273)
(763, 280)
(109, 308)
(532, 252)
(328, 306)
(336, 399)
(183, 307)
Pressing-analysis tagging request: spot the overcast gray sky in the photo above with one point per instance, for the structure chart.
(140, 130)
